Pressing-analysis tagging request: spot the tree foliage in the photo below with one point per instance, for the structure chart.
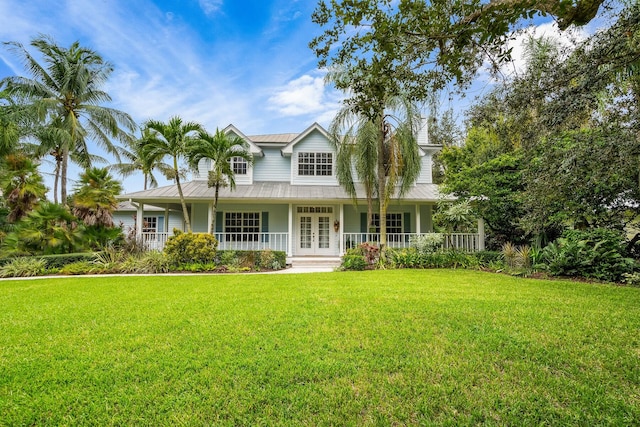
(430, 44)
(65, 92)
(172, 139)
(220, 149)
(94, 199)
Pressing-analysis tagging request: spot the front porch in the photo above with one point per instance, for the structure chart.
(466, 242)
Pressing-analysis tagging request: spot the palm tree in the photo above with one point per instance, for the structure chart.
(379, 138)
(94, 199)
(138, 160)
(21, 185)
(48, 229)
(66, 92)
(172, 139)
(221, 150)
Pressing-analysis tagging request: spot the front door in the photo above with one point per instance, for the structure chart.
(314, 233)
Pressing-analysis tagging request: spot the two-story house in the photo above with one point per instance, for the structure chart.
(288, 199)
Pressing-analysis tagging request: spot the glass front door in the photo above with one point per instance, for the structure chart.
(314, 234)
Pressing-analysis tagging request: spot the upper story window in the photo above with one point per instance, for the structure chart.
(239, 165)
(315, 164)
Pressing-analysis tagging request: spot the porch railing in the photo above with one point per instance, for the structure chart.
(467, 242)
(154, 241)
(227, 241)
(252, 241)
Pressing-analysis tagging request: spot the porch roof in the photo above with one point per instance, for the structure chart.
(195, 191)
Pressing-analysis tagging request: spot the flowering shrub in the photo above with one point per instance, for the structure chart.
(186, 248)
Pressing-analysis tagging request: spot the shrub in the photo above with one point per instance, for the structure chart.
(631, 279)
(410, 258)
(265, 259)
(189, 248)
(80, 267)
(60, 260)
(596, 254)
(427, 243)
(151, 262)
(354, 262)
(488, 258)
(23, 267)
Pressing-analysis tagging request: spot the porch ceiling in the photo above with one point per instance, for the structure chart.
(281, 191)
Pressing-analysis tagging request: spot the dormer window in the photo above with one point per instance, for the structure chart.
(239, 165)
(315, 164)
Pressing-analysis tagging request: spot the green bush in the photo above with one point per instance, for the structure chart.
(81, 267)
(23, 267)
(488, 258)
(266, 259)
(60, 260)
(354, 262)
(411, 258)
(186, 248)
(595, 254)
(151, 262)
(427, 243)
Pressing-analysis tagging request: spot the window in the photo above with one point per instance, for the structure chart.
(315, 164)
(242, 226)
(394, 223)
(150, 224)
(239, 165)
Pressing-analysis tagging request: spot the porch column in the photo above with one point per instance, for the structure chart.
(139, 221)
(290, 239)
(166, 221)
(418, 231)
(341, 231)
(481, 234)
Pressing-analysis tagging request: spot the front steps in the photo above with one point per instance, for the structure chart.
(327, 262)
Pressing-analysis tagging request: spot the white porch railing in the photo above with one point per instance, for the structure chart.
(467, 242)
(227, 241)
(252, 241)
(154, 241)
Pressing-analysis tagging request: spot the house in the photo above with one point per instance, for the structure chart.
(288, 200)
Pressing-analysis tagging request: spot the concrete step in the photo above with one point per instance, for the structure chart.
(314, 262)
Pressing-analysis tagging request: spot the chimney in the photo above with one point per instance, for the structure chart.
(423, 131)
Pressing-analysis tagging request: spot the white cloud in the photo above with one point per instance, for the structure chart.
(306, 95)
(209, 7)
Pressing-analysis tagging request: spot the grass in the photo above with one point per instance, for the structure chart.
(369, 348)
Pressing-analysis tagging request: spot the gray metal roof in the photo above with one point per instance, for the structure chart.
(267, 192)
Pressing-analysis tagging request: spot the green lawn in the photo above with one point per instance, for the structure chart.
(364, 348)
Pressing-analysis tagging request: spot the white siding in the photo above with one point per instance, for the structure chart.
(204, 166)
(200, 217)
(272, 167)
(426, 176)
(315, 142)
(127, 219)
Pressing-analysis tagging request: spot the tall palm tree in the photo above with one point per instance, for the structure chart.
(221, 150)
(137, 160)
(379, 138)
(172, 139)
(94, 199)
(67, 92)
(21, 185)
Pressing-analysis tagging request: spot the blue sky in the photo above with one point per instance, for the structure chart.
(217, 62)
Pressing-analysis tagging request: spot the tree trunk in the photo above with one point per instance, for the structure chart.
(382, 190)
(56, 181)
(63, 176)
(185, 213)
(212, 226)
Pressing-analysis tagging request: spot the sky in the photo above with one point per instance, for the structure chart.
(216, 62)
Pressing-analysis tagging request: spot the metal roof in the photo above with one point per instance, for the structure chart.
(269, 192)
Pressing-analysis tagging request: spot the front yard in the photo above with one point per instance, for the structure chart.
(356, 348)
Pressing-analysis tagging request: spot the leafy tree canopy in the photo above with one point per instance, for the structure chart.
(428, 44)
